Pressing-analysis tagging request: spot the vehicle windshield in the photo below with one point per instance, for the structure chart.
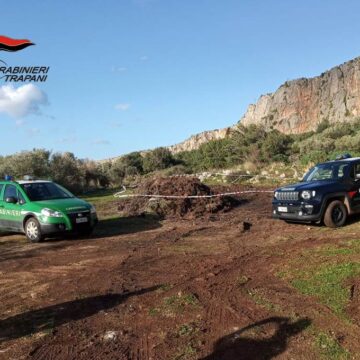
(39, 191)
(333, 171)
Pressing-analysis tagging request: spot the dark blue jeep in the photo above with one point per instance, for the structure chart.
(329, 192)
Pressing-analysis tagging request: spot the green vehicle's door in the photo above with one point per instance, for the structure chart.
(11, 216)
(2, 220)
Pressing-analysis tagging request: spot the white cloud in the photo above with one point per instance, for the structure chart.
(19, 122)
(22, 101)
(118, 69)
(122, 107)
(101, 142)
(144, 58)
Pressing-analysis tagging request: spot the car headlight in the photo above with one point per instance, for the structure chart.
(92, 209)
(276, 194)
(51, 213)
(308, 194)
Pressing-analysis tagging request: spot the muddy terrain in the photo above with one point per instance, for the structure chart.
(230, 285)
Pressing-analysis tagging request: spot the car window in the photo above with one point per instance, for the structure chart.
(355, 170)
(327, 171)
(10, 191)
(21, 198)
(45, 191)
(1, 187)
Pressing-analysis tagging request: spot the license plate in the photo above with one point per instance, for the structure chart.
(81, 220)
(282, 209)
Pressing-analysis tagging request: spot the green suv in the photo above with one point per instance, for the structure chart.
(41, 208)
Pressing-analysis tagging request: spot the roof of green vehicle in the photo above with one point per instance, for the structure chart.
(21, 182)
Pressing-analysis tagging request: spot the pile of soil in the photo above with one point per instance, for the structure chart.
(167, 208)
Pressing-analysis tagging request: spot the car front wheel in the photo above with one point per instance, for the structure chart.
(335, 214)
(33, 230)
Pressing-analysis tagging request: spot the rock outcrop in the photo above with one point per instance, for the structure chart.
(297, 106)
(193, 142)
(300, 105)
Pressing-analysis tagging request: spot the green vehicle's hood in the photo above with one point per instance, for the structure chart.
(64, 205)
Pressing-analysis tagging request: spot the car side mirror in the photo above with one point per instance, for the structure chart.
(11, 200)
(22, 202)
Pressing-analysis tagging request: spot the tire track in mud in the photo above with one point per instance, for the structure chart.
(216, 255)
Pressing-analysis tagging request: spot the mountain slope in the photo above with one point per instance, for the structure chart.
(299, 105)
(194, 141)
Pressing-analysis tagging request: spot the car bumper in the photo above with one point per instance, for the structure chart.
(300, 212)
(68, 226)
(48, 229)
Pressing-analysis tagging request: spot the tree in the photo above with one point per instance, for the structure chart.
(66, 169)
(157, 159)
(276, 146)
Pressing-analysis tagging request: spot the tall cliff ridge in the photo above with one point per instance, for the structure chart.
(297, 106)
(194, 141)
(300, 105)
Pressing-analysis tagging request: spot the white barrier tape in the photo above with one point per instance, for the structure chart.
(156, 196)
(235, 175)
(120, 192)
(210, 174)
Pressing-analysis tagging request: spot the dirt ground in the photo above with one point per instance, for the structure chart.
(220, 287)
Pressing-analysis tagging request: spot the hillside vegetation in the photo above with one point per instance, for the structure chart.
(251, 147)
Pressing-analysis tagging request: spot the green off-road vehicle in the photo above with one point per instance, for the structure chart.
(41, 208)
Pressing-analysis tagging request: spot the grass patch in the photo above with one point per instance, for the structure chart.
(261, 300)
(154, 311)
(186, 352)
(326, 283)
(164, 287)
(349, 247)
(175, 304)
(242, 280)
(100, 196)
(322, 272)
(187, 329)
(329, 348)
(335, 251)
(104, 201)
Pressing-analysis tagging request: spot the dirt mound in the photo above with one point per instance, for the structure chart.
(183, 207)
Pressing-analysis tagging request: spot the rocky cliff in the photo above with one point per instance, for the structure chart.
(193, 142)
(299, 105)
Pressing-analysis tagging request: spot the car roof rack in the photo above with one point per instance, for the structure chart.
(343, 156)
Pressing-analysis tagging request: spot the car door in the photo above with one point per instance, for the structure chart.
(355, 190)
(12, 217)
(2, 209)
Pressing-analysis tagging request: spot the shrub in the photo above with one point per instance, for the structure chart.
(157, 159)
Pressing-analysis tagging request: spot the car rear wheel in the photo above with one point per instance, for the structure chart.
(33, 230)
(335, 214)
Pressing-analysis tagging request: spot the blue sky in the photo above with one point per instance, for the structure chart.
(136, 74)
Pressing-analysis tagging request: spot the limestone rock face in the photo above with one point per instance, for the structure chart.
(300, 105)
(297, 106)
(193, 142)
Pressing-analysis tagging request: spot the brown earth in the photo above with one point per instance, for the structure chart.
(175, 208)
(206, 288)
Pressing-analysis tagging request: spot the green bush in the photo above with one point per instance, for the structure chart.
(157, 159)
